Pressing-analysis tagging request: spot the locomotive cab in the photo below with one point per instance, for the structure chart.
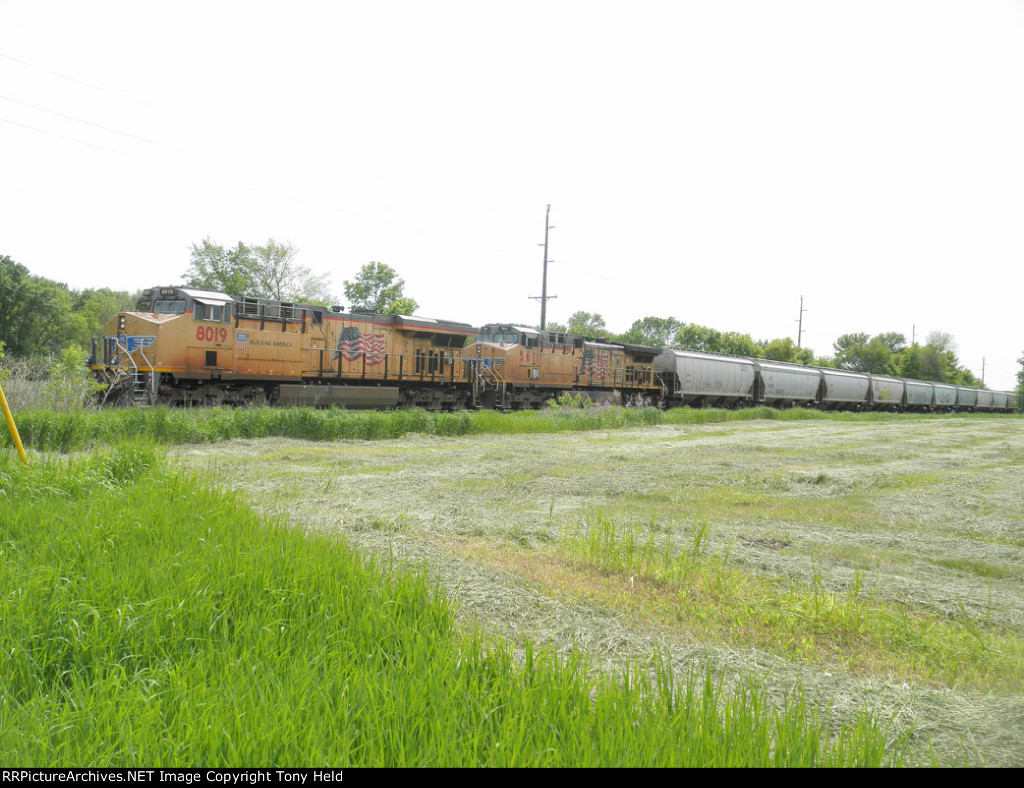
(141, 345)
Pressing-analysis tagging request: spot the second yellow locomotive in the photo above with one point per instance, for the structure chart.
(521, 367)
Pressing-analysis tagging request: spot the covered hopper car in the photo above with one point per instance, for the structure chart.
(704, 379)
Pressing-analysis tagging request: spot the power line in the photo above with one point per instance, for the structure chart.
(83, 82)
(87, 122)
(231, 182)
(329, 208)
(234, 183)
(97, 147)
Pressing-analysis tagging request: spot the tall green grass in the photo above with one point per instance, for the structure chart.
(147, 619)
(47, 430)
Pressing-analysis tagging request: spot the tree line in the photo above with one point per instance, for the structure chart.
(41, 317)
(883, 354)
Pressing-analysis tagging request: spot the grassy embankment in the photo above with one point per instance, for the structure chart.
(148, 619)
(47, 430)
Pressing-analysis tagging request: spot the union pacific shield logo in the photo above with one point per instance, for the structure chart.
(134, 343)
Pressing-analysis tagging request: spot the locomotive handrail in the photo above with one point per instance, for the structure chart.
(486, 375)
(124, 350)
(151, 383)
(152, 372)
(386, 370)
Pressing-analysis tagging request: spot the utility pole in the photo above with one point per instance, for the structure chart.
(982, 370)
(543, 297)
(800, 326)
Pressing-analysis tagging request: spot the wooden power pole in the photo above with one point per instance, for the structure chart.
(800, 323)
(544, 297)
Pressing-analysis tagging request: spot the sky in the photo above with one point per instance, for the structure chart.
(710, 161)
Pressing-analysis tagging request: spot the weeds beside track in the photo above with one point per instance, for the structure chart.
(47, 430)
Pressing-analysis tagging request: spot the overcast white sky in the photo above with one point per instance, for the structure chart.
(712, 161)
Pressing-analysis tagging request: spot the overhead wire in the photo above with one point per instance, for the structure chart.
(86, 122)
(234, 183)
(97, 147)
(83, 82)
(186, 170)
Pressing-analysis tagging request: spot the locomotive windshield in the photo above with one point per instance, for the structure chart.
(500, 338)
(175, 306)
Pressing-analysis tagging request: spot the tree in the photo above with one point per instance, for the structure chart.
(736, 344)
(378, 287)
(588, 325)
(784, 350)
(859, 353)
(215, 268)
(938, 362)
(13, 281)
(893, 340)
(657, 331)
(935, 360)
(35, 313)
(910, 363)
(278, 274)
(710, 340)
(268, 271)
(694, 337)
(94, 308)
(1020, 385)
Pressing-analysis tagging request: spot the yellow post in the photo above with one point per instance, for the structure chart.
(11, 427)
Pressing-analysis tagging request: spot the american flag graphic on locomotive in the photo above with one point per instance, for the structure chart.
(594, 363)
(353, 343)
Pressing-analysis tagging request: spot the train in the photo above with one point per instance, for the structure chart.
(185, 346)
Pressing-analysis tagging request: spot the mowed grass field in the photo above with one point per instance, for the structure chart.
(868, 564)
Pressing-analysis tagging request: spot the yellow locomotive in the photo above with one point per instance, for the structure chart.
(184, 346)
(520, 367)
